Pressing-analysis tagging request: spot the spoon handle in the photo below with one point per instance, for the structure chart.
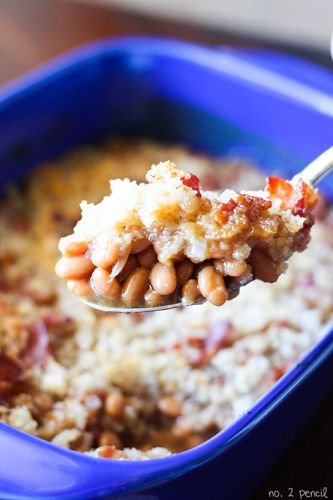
(318, 168)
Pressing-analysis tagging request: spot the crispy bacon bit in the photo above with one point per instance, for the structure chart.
(253, 205)
(195, 342)
(273, 375)
(306, 198)
(220, 334)
(279, 188)
(301, 199)
(10, 369)
(176, 345)
(277, 372)
(38, 348)
(192, 181)
(106, 451)
(222, 213)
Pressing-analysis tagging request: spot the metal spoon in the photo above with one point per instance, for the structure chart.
(311, 174)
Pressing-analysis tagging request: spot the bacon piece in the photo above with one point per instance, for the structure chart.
(222, 213)
(279, 188)
(192, 181)
(254, 206)
(306, 198)
(197, 342)
(301, 199)
(220, 334)
(106, 451)
(38, 348)
(10, 369)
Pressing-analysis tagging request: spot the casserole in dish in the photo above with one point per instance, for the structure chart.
(155, 88)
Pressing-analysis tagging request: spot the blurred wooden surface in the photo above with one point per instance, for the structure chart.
(32, 31)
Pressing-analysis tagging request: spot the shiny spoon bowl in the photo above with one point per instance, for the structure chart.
(311, 174)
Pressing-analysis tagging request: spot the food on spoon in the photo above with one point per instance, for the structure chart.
(166, 240)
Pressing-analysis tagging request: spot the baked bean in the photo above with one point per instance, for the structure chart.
(114, 404)
(131, 264)
(163, 279)
(106, 256)
(184, 271)
(170, 406)
(191, 292)
(154, 299)
(109, 438)
(81, 288)
(263, 266)
(102, 285)
(211, 285)
(147, 258)
(74, 268)
(233, 268)
(70, 247)
(135, 287)
(140, 244)
(200, 266)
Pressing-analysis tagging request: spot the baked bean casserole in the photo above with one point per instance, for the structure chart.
(144, 385)
(155, 243)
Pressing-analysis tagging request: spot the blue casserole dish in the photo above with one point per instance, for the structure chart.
(270, 108)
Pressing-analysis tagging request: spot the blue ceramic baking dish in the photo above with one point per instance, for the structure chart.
(267, 107)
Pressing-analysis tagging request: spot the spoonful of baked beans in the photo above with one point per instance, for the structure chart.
(167, 243)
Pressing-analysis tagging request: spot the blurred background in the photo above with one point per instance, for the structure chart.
(301, 22)
(31, 31)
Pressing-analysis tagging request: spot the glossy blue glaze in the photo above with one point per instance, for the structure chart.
(273, 109)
